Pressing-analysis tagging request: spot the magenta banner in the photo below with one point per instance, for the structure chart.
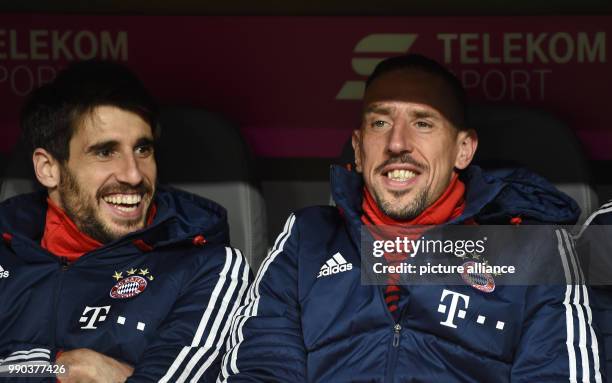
(294, 84)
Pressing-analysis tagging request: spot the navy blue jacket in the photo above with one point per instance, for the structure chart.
(158, 299)
(593, 234)
(296, 327)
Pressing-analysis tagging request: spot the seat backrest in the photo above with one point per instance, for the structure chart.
(201, 153)
(537, 140)
(524, 137)
(205, 154)
(18, 176)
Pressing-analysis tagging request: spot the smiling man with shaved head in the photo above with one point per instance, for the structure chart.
(112, 278)
(310, 316)
(413, 139)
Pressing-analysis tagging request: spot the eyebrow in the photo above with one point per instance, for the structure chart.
(424, 114)
(113, 144)
(145, 141)
(104, 145)
(387, 111)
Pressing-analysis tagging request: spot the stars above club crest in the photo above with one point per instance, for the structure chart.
(131, 272)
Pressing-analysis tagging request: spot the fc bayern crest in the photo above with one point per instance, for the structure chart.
(128, 287)
(476, 278)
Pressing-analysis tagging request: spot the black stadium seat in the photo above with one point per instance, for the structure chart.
(538, 141)
(205, 154)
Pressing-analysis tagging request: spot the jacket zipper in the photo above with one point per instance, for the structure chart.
(395, 339)
(396, 334)
(392, 359)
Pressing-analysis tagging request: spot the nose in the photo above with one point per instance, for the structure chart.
(129, 171)
(400, 139)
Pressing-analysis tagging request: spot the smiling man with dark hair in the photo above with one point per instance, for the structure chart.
(112, 278)
(310, 317)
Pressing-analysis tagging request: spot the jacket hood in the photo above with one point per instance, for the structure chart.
(496, 195)
(180, 216)
(492, 197)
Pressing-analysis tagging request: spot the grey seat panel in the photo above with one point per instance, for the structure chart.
(245, 211)
(205, 154)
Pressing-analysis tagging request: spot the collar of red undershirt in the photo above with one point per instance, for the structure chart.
(62, 237)
(450, 205)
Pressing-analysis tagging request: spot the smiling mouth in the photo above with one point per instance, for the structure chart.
(124, 202)
(400, 175)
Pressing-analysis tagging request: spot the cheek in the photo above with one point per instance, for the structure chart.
(371, 152)
(92, 181)
(444, 152)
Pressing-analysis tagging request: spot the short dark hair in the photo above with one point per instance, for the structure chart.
(53, 112)
(427, 65)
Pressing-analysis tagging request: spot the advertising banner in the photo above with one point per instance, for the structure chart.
(294, 84)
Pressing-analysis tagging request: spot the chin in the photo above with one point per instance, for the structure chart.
(118, 234)
(117, 230)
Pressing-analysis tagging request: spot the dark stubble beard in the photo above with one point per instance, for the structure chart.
(405, 213)
(82, 210)
(414, 208)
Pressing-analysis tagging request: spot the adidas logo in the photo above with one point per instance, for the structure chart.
(4, 273)
(336, 264)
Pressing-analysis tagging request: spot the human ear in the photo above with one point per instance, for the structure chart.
(46, 168)
(467, 141)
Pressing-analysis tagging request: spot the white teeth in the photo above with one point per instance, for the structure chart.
(125, 208)
(400, 175)
(125, 199)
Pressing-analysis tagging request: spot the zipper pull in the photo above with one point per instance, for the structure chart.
(396, 334)
(64, 262)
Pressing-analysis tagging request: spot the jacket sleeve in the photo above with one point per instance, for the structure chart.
(558, 342)
(595, 250)
(266, 343)
(26, 354)
(189, 343)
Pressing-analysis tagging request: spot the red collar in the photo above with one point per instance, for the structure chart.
(450, 205)
(62, 237)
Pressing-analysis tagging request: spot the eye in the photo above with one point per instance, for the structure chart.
(423, 125)
(379, 124)
(104, 153)
(144, 150)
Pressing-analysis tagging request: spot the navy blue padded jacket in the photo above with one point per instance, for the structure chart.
(159, 299)
(602, 294)
(296, 327)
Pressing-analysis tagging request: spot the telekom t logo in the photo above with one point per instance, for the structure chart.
(98, 315)
(454, 301)
(385, 44)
